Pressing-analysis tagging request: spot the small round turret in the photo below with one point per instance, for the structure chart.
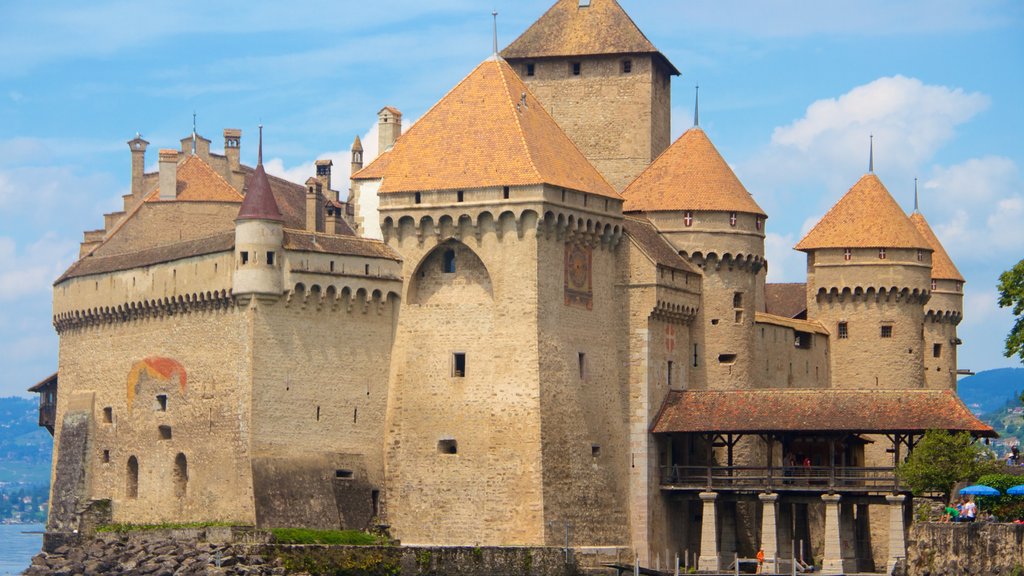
(259, 239)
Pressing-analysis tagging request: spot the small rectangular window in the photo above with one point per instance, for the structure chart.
(803, 340)
(245, 257)
(366, 269)
(595, 450)
(531, 69)
(843, 331)
(270, 258)
(886, 331)
(627, 66)
(343, 474)
(582, 358)
(576, 68)
(668, 373)
(459, 364)
(937, 350)
(161, 402)
(739, 317)
(447, 446)
(695, 356)
(737, 299)
(505, 193)
(726, 358)
(448, 262)
(418, 198)
(460, 196)
(106, 456)
(108, 415)
(165, 432)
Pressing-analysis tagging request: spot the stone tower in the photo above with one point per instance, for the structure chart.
(138, 148)
(868, 279)
(943, 312)
(389, 128)
(699, 205)
(357, 156)
(259, 240)
(509, 240)
(602, 80)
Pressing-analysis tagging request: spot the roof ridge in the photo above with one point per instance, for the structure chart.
(517, 114)
(217, 175)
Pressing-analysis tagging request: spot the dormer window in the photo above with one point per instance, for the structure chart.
(688, 218)
(732, 219)
(881, 253)
(847, 254)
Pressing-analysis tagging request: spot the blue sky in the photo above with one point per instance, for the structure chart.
(790, 91)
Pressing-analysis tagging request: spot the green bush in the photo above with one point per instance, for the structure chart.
(1006, 508)
(329, 537)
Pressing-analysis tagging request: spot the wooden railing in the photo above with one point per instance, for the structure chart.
(813, 478)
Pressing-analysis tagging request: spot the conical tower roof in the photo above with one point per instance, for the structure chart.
(690, 175)
(942, 265)
(489, 131)
(259, 202)
(570, 29)
(357, 145)
(867, 216)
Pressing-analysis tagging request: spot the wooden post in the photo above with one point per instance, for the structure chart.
(771, 457)
(896, 463)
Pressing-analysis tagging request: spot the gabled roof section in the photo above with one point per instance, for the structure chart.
(89, 265)
(865, 217)
(787, 300)
(199, 182)
(489, 131)
(942, 265)
(689, 175)
(375, 170)
(812, 326)
(654, 245)
(568, 29)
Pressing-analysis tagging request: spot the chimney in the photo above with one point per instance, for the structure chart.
(138, 148)
(168, 174)
(331, 222)
(323, 174)
(313, 194)
(357, 156)
(389, 128)
(233, 151)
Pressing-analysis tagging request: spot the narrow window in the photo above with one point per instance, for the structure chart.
(803, 342)
(505, 192)
(595, 450)
(886, 331)
(343, 474)
(366, 269)
(739, 317)
(459, 365)
(161, 402)
(848, 254)
(245, 258)
(180, 475)
(688, 218)
(165, 432)
(627, 66)
(843, 331)
(694, 355)
(668, 373)
(937, 350)
(732, 219)
(449, 262)
(531, 69)
(332, 265)
(317, 413)
(419, 198)
(563, 194)
(270, 258)
(737, 300)
(131, 489)
(106, 456)
(108, 415)
(576, 68)
(582, 360)
(726, 358)
(447, 447)
(375, 502)
(881, 253)
(460, 196)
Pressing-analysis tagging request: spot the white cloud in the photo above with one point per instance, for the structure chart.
(31, 271)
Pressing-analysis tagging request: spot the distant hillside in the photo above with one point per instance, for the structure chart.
(989, 391)
(25, 448)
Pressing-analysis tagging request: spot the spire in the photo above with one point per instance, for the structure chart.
(696, 106)
(871, 155)
(917, 206)
(193, 132)
(259, 202)
(494, 13)
(259, 158)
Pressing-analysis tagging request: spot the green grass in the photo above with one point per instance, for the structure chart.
(124, 528)
(332, 537)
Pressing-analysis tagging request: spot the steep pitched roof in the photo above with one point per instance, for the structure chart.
(788, 300)
(865, 217)
(942, 265)
(489, 131)
(654, 245)
(689, 175)
(568, 29)
(259, 203)
(199, 182)
(89, 265)
(357, 145)
(375, 170)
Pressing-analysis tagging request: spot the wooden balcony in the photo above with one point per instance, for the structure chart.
(48, 415)
(820, 479)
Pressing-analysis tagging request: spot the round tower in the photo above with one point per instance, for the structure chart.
(868, 278)
(942, 313)
(259, 239)
(696, 201)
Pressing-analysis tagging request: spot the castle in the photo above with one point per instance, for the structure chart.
(566, 328)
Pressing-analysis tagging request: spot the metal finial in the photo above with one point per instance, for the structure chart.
(259, 159)
(193, 132)
(917, 205)
(696, 106)
(871, 155)
(494, 13)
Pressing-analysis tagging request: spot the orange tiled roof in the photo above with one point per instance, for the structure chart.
(198, 182)
(866, 217)
(489, 131)
(942, 265)
(375, 170)
(568, 29)
(690, 175)
(654, 245)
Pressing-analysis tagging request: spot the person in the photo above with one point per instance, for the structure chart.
(788, 465)
(970, 511)
(1015, 454)
(760, 561)
(950, 514)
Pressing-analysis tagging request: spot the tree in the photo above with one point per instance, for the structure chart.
(942, 459)
(1011, 294)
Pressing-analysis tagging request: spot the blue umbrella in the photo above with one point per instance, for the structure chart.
(1016, 491)
(979, 490)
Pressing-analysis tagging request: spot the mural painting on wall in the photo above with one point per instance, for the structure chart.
(579, 289)
(156, 368)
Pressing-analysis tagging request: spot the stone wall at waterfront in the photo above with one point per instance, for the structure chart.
(979, 549)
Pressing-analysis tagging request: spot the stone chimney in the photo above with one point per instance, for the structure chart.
(323, 174)
(233, 151)
(168, 174)
(138, 148)
(389, 128)
(357, 156)
(202, 147)
(313, 204)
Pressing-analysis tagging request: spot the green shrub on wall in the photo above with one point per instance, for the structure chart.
(1005, 508)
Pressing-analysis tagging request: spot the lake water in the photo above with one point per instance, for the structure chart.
(18, 548)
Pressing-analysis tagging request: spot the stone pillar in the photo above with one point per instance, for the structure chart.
(769, 530)
(709, 560)
(833, 557)
(897, 539)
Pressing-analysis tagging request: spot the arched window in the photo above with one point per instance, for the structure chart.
(180, 475)
(132, 482)
(449, 261)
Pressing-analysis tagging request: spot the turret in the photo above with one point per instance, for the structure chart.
(259, 239)
(699, 205)
(357, 156)
(138, 147)
(942, 312)
(868, 278)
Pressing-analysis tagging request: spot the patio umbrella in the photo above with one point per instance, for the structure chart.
(979, 490)
(1016, 491)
